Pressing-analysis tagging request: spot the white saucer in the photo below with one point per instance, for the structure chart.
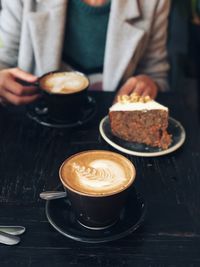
(175, 129)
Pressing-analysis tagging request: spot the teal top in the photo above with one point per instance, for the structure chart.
(85, 36)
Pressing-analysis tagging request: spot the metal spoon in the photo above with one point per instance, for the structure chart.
(49, 195)
(9, 239)
(13, 230)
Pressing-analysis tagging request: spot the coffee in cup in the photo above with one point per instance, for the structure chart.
(64, 82)
(97, 183)
(65, 94)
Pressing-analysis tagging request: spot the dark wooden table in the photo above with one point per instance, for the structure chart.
(30, 156)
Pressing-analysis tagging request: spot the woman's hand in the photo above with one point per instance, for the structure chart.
(12, 88)
(142, 85)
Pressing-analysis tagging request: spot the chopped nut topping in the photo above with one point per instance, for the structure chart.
(133, 98)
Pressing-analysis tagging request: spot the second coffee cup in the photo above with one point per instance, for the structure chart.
(65, 94)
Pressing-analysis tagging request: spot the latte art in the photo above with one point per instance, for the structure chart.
(97, 173)
(64, 82)
(100, 174)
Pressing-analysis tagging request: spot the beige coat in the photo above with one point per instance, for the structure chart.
(32, 31)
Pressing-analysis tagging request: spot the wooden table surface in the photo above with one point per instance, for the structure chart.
(30, 156)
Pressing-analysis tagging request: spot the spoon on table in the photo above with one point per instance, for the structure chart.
(9, 239)
(12, 229)
(49, 195)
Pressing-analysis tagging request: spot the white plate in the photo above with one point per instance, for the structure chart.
(175, 129)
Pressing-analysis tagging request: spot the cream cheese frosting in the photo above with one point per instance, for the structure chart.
(150, 105)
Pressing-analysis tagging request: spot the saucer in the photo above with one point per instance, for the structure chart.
(62, 218)
(174, 128)
(39, 113)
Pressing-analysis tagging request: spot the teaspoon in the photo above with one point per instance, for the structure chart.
(13, 230)
(8, 239)
(49, 195)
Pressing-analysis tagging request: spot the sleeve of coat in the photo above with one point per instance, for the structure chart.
(154, 61)
(10, 32)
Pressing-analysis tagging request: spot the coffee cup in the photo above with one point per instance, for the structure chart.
(97, 183)
(65, 94)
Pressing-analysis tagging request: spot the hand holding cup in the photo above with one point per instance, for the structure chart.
(18, 87)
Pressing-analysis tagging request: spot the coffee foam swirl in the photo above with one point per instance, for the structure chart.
(64, 82)
(97, 173)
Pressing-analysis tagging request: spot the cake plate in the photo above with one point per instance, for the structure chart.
(132, 148)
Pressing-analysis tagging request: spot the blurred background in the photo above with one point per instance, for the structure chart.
(183, 46)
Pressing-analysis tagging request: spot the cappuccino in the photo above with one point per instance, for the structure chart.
(97, 173)
(64, 82)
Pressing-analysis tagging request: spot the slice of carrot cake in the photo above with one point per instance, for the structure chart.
(140, 119)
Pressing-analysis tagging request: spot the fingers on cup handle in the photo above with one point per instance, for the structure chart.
(23, 76)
